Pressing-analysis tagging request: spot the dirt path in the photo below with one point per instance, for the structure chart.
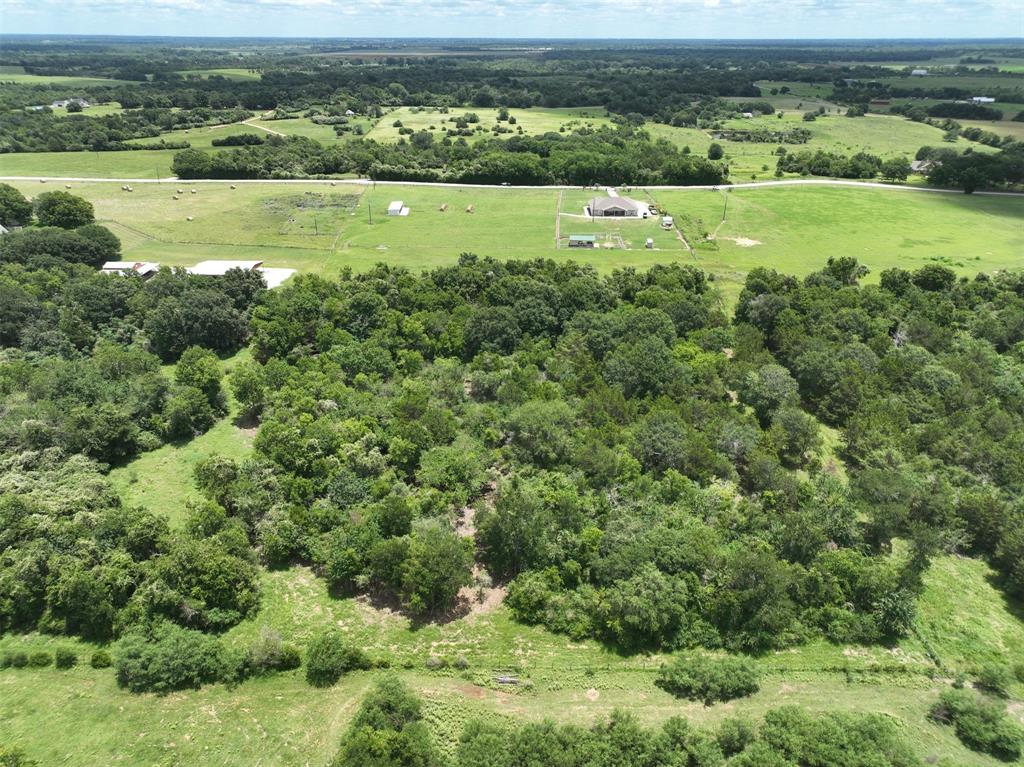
(260, 127)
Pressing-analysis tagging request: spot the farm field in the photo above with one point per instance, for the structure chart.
(793, 228)
(231, 73)
(303, 126)
(533, 121)
(154, 163)
(320, 228)
(17, 75)
(283, 720)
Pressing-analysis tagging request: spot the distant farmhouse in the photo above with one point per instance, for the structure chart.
(919, 73)
(983, 100)
(64, 103)
(618, 207)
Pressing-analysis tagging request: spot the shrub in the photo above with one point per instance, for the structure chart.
(436, 663)
(995, 678)
(101, 659)
(461, 663)
(269, 653)
(15, 757)
(173, 659)
(1018, 671)
(14, 659)
(980, 725)
(40, 659)
(708, 678)
(735, 734)
(329, 656)
(64, 657)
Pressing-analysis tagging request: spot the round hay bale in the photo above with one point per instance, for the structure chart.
(188, 218)
(193, 191)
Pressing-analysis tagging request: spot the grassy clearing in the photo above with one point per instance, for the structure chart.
(202, 138)
(237, 73)
(280, 720)
(533, 121)
(161, 481)
(96, 110)
(304, 126)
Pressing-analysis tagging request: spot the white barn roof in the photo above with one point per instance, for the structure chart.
(220, 268)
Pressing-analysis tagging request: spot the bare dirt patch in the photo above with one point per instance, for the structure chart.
(592, 695)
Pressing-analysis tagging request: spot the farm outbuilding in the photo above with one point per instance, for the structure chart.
(144, 269)
(618, 207)
(397, 208)
(582, 241)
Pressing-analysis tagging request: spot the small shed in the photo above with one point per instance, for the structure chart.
(667, 222)
(582, 241)
(397, 208)
(919, 73)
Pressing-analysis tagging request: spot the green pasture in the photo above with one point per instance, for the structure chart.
(202, 138)
(533, 121)
(972, 82)
(304, 126)
(322, 228)
(883, 135)
(280, 720)
(794, 229)
(999, 127)
(128, 164)
(237, 73)
(18, 76)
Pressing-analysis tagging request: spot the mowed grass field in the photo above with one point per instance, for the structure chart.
(795, 229)
(533, 121)
(17, 74)
(321, 228)
(280, 720)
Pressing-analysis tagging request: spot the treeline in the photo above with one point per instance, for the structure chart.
(22, 131)
(392, 724)
(972, 171)
(613, 156)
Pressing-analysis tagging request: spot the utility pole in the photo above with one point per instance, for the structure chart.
(725, 207)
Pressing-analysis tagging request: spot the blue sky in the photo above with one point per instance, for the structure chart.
(521, 18)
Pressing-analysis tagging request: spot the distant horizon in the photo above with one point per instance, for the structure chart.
(520, 38)
(677, 20)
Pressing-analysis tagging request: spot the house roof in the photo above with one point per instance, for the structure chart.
(220, 268)
(602, 204)
(396, 205)
(582, 238)
(139, 267)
